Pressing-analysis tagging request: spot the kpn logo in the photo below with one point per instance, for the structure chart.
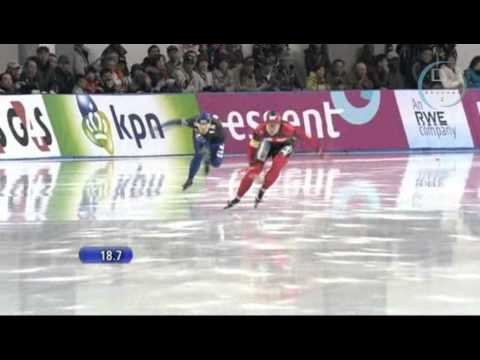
(133, 128)
(95, 123)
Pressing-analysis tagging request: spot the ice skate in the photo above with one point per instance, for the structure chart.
(187, 185)
(259, 198)
(232, 203)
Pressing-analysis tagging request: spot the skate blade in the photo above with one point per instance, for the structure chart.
(185, 188)
(229, 206)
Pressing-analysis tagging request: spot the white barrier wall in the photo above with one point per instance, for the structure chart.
(46, 126)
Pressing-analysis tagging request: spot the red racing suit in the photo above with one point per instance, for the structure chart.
(280, 147)
(284, 141)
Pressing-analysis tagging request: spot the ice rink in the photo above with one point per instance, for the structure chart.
(370, 235)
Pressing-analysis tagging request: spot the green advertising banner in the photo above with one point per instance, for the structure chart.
(127, 125)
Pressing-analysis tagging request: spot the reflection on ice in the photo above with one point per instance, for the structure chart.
(346, 235)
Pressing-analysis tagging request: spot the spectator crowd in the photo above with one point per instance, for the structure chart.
(224, 68)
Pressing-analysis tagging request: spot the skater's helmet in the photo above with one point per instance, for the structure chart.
(205, 118)
(273, 117)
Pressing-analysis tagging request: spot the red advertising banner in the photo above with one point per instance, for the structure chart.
(342, 121)
(471, 104)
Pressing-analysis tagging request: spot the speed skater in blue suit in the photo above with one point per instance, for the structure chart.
(208, 142)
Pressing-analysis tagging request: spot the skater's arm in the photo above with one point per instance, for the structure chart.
(179, 123)
(300, 135)
(189, 122)
(253, 147)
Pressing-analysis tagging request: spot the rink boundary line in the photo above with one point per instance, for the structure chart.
(324, 156)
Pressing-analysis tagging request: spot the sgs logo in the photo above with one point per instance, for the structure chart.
(23, 130)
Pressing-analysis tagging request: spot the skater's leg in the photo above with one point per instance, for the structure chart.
(249, 178)
(195, 165)
(199, 143)
(216, 152)
(246, 183)
(279, 163)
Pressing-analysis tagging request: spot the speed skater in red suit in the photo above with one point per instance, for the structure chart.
(274, 139)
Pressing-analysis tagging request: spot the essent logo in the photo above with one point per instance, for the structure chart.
(95, 124)
(357, 115)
